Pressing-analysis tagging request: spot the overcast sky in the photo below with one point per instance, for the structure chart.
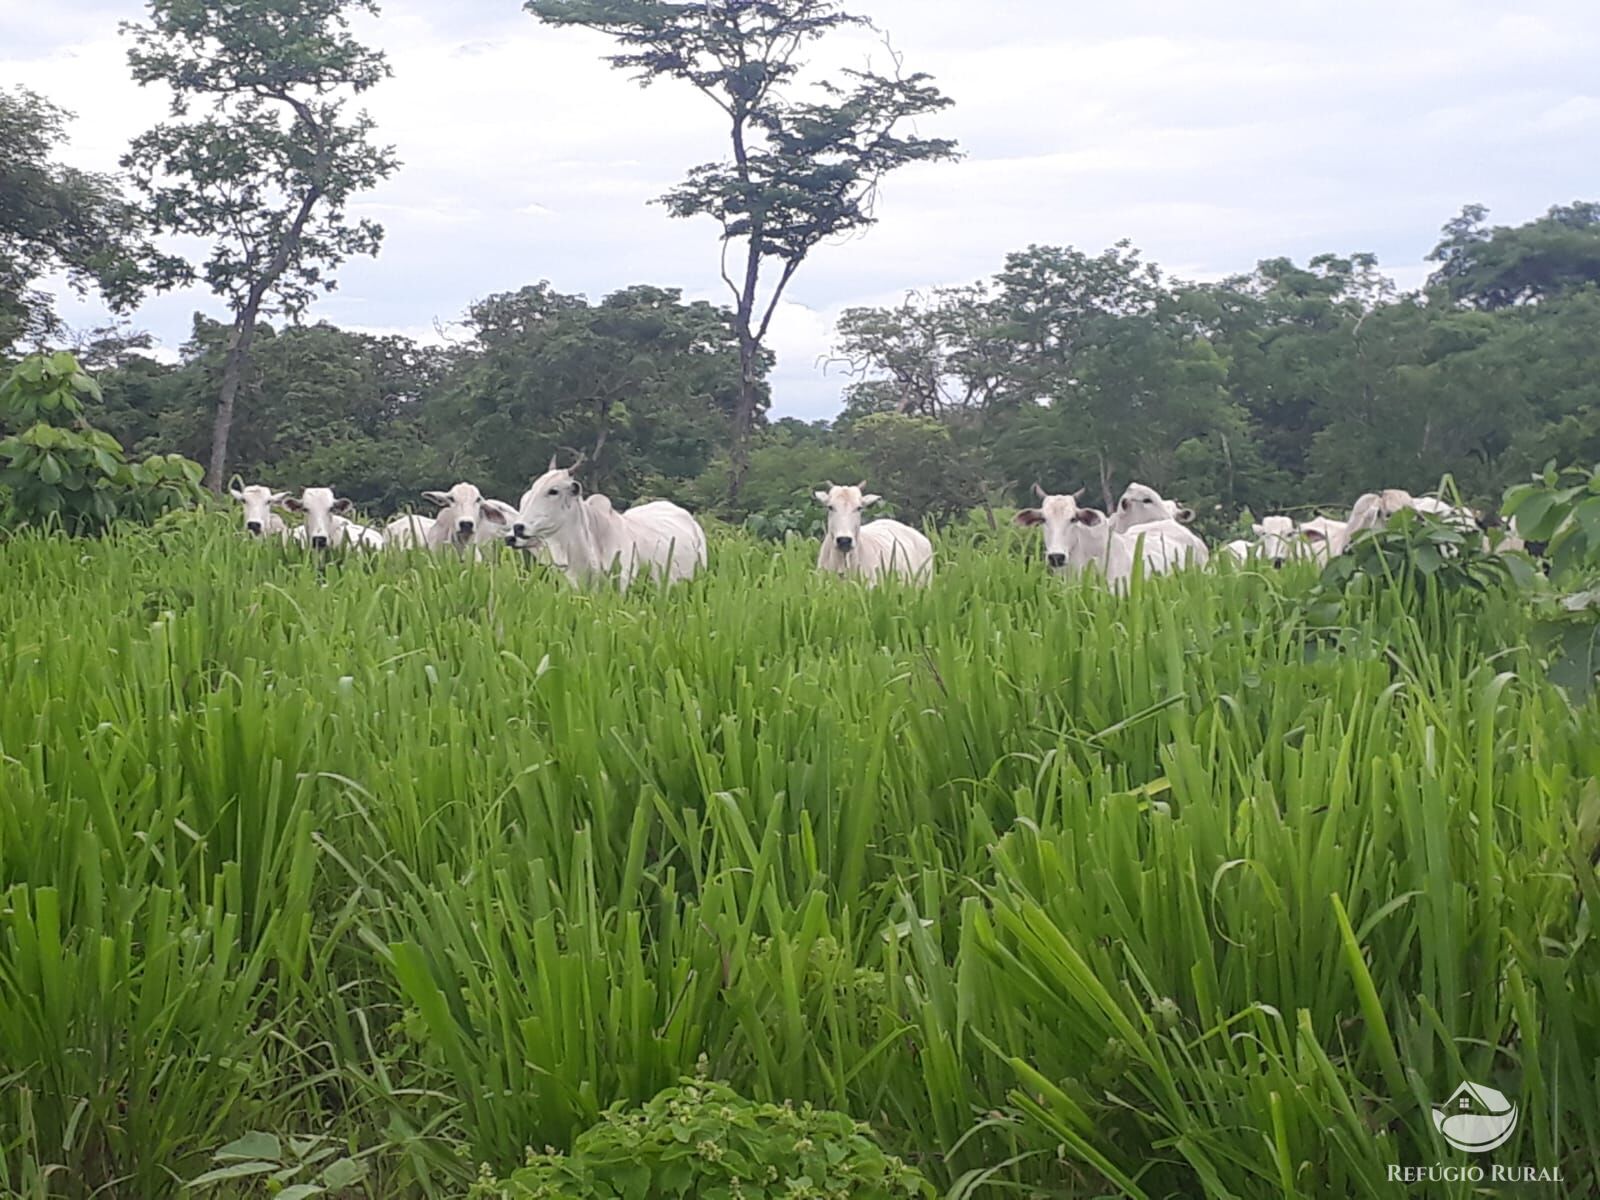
(1211, 135)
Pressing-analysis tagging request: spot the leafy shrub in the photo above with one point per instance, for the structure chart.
(703, 1140)
(59, 466)
(1562, 510)
(1419, 549)
(780, 524)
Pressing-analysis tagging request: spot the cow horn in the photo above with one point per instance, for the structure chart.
(861, 485)
(1039, 491)
(1078, 495)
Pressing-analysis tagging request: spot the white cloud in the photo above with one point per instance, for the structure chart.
(1211, 136)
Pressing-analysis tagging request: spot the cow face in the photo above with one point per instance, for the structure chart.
(1072, 535)
(258, 502)
(1277, 539)
(549, 504)
(465, 515)
(845, 504)
(321, 509)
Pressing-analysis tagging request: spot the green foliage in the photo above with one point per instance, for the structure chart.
(1418, 551)
(292, 1168)
(701, 1140)
(642, 382)
(74, 473)
(1034, 878)
(917, 465)
(1506, 266)
(57, 218)
(1561, 510)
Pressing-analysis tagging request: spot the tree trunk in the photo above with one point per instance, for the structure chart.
(244, 333)
(239, 342)
(1105, 482)
(744, 413)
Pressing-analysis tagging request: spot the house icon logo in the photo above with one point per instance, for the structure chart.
(1476, 1118)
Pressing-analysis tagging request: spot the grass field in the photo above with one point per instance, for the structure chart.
(1066, 894)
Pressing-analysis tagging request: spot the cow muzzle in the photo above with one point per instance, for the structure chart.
(844, 544)
(319, 542)
(253, 526)
(1278, 562)
(465, 528)
(1056, 561)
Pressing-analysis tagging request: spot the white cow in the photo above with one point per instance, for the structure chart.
(466, 518)
(1140, 505)
(407, 532)
(1324, 537)
(1277, 539)
(874, 550)
(588, 538)
(259, 519)
(1372, 510)
(1239, 549)
(325, 525)
(1076, 538)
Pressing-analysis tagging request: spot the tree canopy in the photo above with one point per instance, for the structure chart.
(57, 218)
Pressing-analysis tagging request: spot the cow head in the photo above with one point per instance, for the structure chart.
(1073, 536)
(844, 504)
(322, 510)
(258, 503)
(550, 503)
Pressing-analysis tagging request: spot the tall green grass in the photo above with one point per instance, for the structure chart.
(1065, 893)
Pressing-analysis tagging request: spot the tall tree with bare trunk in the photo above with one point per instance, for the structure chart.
(799, 170)
(260, 155)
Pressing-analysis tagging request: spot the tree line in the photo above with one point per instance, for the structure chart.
(1291, 386)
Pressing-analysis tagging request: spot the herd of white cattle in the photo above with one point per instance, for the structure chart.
(1144, 524)
(588, 539)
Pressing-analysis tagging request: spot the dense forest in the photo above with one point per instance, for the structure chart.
(1288, 387)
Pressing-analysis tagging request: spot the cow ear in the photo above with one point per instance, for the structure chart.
(821, 497)
(233, 490)
(1258, 528)
(1185, 515)
(439, 498)
(870, 499)
(497, 512)
(1089, 516)
(341, 505)
(278, 498)
(576, 487)
(292, 503)
(1029, 516)
(1313, 535)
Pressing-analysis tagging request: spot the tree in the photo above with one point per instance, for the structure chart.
(800, 170)
(936, 356)
(1117, 356)
(57, 218)
(1509, 265)
(642, 383)
(267, 170)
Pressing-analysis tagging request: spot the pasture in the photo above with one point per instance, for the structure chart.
(1063, 893)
